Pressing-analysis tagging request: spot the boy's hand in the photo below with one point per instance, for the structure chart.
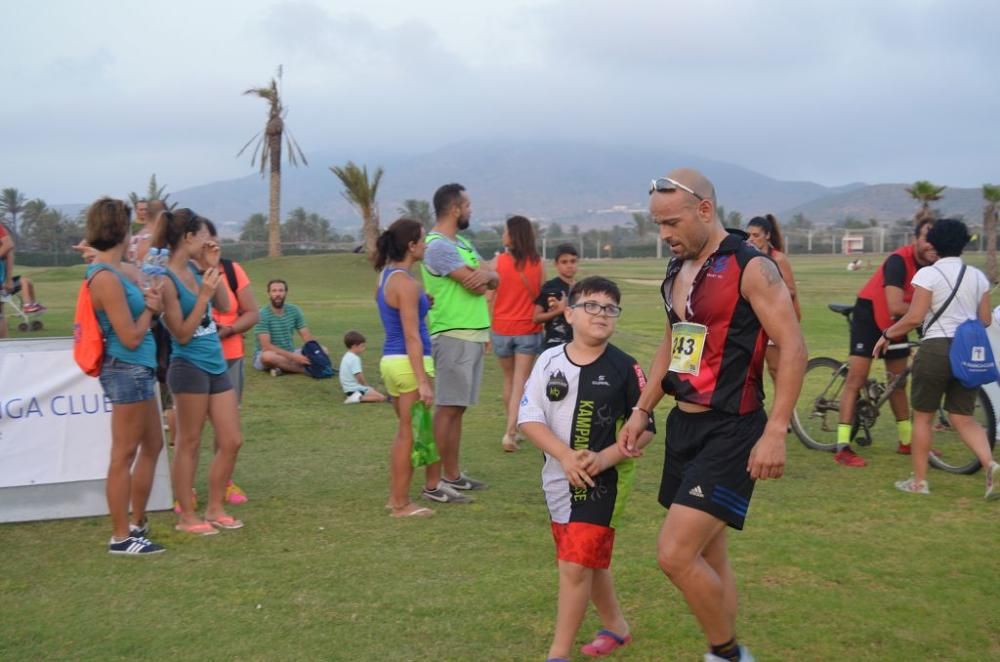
(574, 465)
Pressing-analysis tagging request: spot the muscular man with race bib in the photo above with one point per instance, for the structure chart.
(724, 300)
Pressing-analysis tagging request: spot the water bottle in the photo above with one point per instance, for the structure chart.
(146, 270)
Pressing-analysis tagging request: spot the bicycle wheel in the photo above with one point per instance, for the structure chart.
(955, 457)
(817, 411)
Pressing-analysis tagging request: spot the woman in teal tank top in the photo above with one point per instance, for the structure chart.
(197, 375)
(128, 375)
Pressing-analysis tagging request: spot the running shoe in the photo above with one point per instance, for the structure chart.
(234, 494)
(276, 372)
(849, 458)
(913, 486)
(134, 546)
(745, 656)
(463, 482)
(353, 398)
(34, 308)
(992, 478)
(906, 449)
(445, 494)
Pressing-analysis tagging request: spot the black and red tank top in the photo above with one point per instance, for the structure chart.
(730, 378)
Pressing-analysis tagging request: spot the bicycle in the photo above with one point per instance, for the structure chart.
(816, 414)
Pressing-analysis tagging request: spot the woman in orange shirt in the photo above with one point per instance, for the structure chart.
(517, 340)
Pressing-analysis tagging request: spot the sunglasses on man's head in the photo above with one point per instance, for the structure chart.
(667, 185)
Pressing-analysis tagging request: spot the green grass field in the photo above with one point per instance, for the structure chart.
(834, 563)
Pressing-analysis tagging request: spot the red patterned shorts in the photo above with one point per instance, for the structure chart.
(584, 543)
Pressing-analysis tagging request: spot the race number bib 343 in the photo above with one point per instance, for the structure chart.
(688, 345)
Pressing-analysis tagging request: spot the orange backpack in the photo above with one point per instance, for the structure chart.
(88, 341)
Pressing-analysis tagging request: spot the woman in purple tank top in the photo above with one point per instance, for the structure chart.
(406, 366)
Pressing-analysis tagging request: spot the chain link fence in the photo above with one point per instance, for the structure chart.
(819, 241)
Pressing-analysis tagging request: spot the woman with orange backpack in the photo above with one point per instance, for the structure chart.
(127, 374)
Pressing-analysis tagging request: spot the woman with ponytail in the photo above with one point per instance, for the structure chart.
(406, 365)
(765, 236)
(197, 375)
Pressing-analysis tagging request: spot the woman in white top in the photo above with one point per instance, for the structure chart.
(932, 376)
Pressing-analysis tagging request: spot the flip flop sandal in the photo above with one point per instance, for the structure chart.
(605, 643)
(419, 511)
(226, 522)
(199, 529)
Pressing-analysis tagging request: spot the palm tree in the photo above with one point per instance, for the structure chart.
(254, 228)
(642, 223)
(269, 147)
(991, 194)
(153, 192)
(361, 192)
(418, 210)
(926, 193)
(12, 202)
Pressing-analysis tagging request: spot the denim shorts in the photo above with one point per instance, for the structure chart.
(507, 346)
(127, 383)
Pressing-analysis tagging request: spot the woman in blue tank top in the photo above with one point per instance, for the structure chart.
(197, 375)
(406, 366)
(128, 375)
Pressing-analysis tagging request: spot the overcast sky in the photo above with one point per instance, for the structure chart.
(101, 94)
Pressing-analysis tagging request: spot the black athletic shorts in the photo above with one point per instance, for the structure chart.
(865, 333)
(706, 462)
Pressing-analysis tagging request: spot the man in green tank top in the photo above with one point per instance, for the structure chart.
(459, 323)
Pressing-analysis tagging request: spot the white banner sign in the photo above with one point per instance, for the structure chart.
(55, 423)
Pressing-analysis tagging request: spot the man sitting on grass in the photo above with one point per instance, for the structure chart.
(275, 333)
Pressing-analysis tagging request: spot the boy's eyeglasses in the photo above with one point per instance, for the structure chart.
(594, 308)
(667, 185)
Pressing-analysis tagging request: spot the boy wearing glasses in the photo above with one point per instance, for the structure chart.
(575, 400)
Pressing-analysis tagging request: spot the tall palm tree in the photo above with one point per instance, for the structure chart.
(269, 147)
(360, 191)
(12, 203)
(991, 194)
(418, 210)
(924, 192)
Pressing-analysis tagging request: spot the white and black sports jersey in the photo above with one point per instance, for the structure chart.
(584, 406)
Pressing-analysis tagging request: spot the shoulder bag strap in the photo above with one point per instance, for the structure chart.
(951, 296)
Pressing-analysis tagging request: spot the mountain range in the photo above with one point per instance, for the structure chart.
(570, 183)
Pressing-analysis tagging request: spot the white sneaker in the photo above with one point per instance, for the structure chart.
(913, 486)
(992, 480)
(353, 398)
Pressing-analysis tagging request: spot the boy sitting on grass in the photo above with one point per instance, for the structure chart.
(352, 378)
(574, 400)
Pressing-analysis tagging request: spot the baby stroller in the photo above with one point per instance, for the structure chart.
(30, 314)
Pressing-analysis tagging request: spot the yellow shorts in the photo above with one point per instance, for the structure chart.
(397, 373)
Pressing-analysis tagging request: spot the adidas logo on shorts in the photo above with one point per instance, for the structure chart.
(696, 491)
